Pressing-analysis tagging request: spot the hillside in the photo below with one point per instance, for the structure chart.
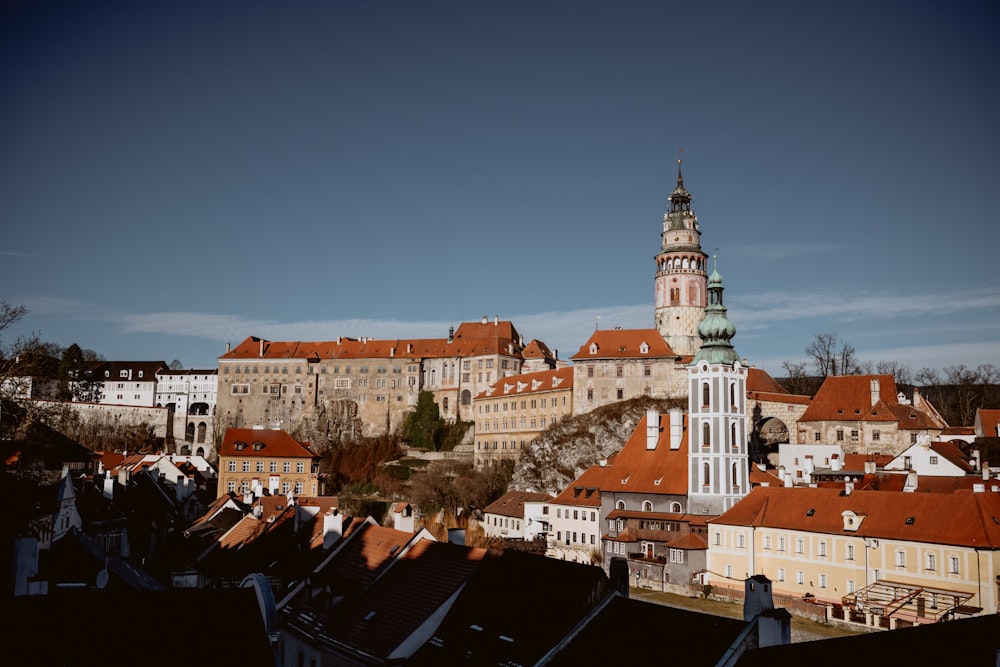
(566, 449)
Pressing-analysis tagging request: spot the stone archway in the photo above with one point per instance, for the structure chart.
(770, 432)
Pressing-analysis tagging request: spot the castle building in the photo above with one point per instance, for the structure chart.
(620, 364)
(680, 294)
(350, 388)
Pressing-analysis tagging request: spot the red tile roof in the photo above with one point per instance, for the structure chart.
(915, 517)
(988, 422)
(585, 490)
(526, 383)
(636, 469)
(624, 344)
(262, 442)
(512, 503)
(470, 339)
(849, 397)
(759, 380)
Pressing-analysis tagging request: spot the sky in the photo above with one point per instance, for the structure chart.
(178, 176)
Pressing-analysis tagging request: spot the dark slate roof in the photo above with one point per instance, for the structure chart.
(105, 629)
(499, 619)
(970, 641)
(704, 636)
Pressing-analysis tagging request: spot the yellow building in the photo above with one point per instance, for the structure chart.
(252, 461)
(512, 412)
(883, 558)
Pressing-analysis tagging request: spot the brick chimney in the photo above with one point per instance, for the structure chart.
(676, 427)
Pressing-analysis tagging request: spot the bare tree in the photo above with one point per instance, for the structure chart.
(831, 356)
(900, 373)
(797, 382)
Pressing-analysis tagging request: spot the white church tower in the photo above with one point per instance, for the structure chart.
(718, 465)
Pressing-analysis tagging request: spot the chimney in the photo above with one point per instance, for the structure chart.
(835, 463)
(409, 348)
(485, 319)
(261, 353)
(652, 428)
(848, 487)
(874, 384)
(451, 334)
(227, 348)
(974, 459)
(911, 482)
(333, 528)
(869, 467)
(676, 427)
(986, 472)
(496, 320)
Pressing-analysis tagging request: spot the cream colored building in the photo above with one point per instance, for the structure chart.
(515, 410)
(348, 388)
(252, 461)
(884, 557)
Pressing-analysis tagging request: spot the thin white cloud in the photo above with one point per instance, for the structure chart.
(773, 251)
(763, 308)
(13, 253)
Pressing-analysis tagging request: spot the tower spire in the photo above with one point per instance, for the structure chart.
(716, 330)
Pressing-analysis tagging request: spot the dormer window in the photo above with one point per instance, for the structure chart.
(593, 348)
(644, 348)
(140, 373)
(852, 521)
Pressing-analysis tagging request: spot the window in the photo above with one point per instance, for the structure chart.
(729, 572)
(875, 436)
(799, 546)
(705, 394)
(850, 585)
(273, 467)
(781, 544)
(817, 436)
(706, 434)
(822, 581)
(300, 467)
(931, 562)
(840, 435)
(854, 435)
(260, 466)
(767, 543)
(822, 549)
(298, 487)
(286, 466)
(232, 466)
(246, 466)
(900, 558)
(953, 564)
(718, 539)
(800, 577)
(740, 541)
(781, 574)
(647, 506)
(934, 460)
(850, 552)
(647, 370)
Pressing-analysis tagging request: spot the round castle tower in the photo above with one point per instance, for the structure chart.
(681, 274)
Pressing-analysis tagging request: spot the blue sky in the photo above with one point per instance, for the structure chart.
(179, 175)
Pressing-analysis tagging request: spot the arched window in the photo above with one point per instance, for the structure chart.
(706, 474)
(189, 432)
(620, 505)
(706, 434)
(706, 394)
(733, 442)
(675, 508)
(647, 506)
(732, 396)
(466, 397)
(202, 428)
(444, 404)
(736, 475)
